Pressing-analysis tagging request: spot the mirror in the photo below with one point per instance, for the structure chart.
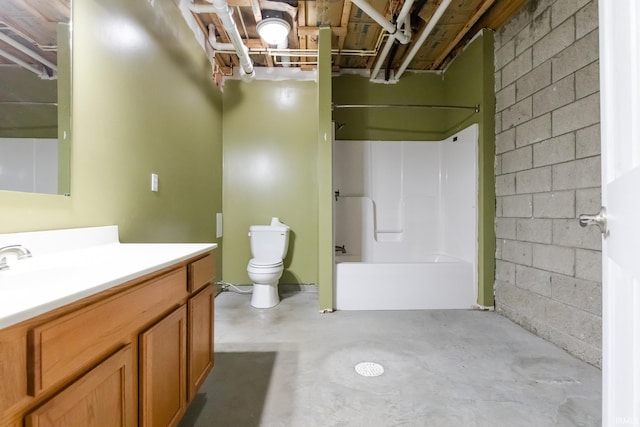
(35, 96)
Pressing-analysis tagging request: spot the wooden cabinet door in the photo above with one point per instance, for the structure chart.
(102, 397)
(163, 371)
(200, 338)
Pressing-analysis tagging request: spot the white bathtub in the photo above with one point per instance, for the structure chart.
(437, 282)
(400, 205)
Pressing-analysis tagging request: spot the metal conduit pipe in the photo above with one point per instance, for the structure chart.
(221, 8)
(404, 39)
(392, 56)
(383, 55)
(423, 37)
(5, 38)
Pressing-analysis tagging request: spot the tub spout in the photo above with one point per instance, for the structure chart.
(341, 249)
(18, 250)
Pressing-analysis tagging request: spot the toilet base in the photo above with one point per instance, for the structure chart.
(265, 296)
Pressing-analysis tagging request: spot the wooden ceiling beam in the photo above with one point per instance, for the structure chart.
(231, 3)
(269, 60)
(222, 37)
(344, 24)
(227, 71)
(253, 43)
(484, 6)
(304, 31)
(302, 21)
(313, 31)
(500, 13)
(308, 16)
(222, 64)
(241, 3)
(255, 8)
(63, 7)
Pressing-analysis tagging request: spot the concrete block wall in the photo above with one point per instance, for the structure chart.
(548, 268)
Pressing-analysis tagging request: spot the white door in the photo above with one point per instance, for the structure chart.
(620, 121)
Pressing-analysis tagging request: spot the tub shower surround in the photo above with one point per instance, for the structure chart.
(29, 164)
(406, 214)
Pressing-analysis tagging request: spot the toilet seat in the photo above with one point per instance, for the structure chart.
(264, 263)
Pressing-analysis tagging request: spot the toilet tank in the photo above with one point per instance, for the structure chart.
(269, 241)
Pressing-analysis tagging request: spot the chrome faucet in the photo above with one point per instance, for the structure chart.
(341, 249)
(18, 250)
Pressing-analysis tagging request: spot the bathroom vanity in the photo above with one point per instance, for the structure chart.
(131, 348)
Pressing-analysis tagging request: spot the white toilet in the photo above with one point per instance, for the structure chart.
(269, 244)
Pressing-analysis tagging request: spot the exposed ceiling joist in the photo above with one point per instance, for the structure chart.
(356, 38)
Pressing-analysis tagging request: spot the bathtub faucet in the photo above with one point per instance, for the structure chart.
(341, 249)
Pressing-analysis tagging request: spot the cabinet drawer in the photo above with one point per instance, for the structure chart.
(201, 272)
(62, 348)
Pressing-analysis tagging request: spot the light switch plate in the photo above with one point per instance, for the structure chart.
(154, 182)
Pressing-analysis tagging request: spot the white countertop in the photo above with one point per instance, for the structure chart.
(97, 261)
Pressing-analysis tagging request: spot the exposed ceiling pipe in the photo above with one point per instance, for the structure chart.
(225, 14)
(215, 44)
(22, 35)
(390, 27)
(406, 37)
(201, 8)
(407, 27)
(286, 59)
(40, 73)
(221, 8)
(423, 37)
(22, 48)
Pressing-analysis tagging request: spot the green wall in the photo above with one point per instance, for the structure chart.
(390, 124)
(467, 81)
(143, 103)
(270, 134)
(326, 258)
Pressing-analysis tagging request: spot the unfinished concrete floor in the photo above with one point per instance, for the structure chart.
(292, 366)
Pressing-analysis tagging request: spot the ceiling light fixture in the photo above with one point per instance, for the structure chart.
(273, 29)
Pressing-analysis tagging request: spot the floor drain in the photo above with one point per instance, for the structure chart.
(369, 369)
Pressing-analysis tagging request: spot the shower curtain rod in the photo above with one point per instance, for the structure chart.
(475, 108)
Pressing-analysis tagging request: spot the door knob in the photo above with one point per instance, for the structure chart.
(599, 219)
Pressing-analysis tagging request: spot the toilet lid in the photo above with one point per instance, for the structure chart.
(255, 262)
